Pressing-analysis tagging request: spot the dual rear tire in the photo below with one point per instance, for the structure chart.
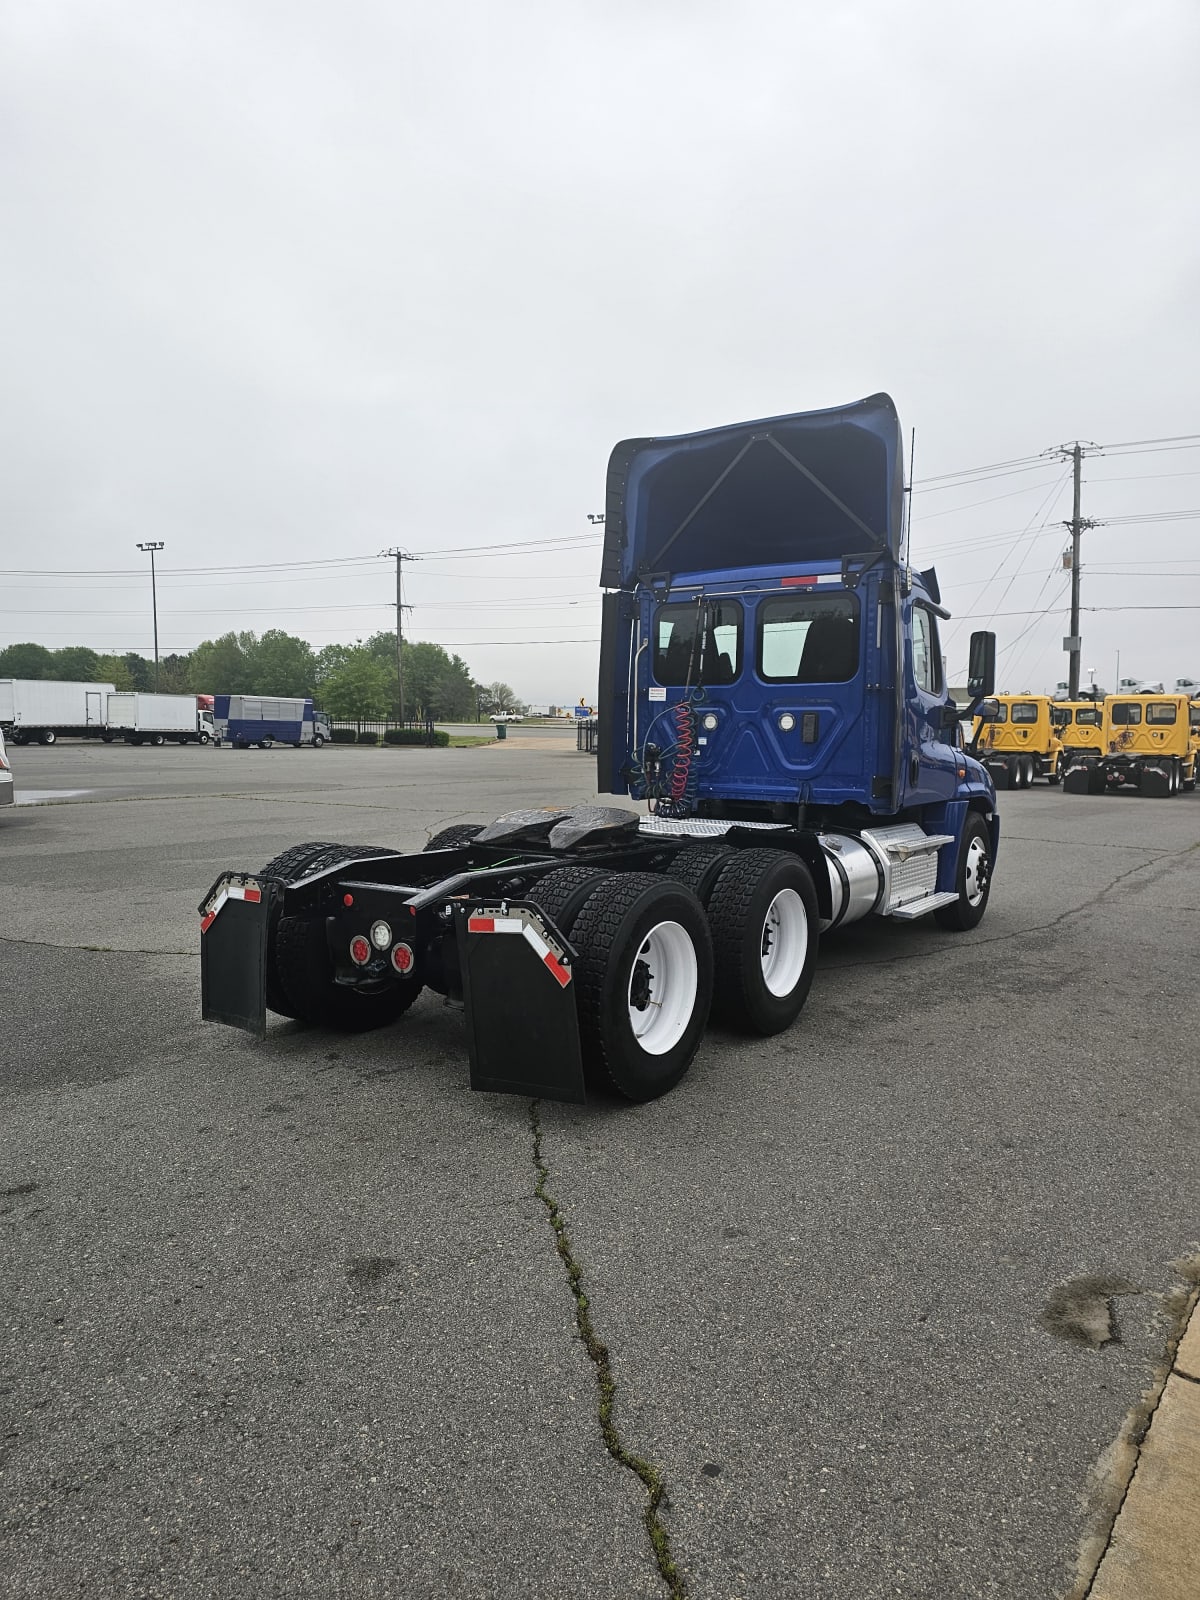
(653, 962)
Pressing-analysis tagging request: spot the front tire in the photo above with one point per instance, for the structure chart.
(972, 878)
(318, 740)
(766, 930)
(643, 982)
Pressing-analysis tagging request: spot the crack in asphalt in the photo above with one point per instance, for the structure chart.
(606, 1386)
(98, 949)
(1019, 933)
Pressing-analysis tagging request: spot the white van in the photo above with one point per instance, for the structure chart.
(6, 777)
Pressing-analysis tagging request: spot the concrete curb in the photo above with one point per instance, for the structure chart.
(1154, 1550)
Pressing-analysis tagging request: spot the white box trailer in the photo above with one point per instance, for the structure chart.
(39, 710)
(156, 718)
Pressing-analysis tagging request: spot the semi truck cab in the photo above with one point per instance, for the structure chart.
(771, 693)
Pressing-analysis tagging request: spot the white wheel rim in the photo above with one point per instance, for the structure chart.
(784, 944)
(663, 985)
(976, 874)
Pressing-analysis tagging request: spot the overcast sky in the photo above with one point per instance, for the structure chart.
(292, 282)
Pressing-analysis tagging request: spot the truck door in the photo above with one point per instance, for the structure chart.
(931, 764)
(95, 708)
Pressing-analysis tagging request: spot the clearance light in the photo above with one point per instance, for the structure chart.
(403, 958)
(381, 935)
(360, 950)
(347, 899)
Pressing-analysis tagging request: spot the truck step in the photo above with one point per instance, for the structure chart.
(906, 840)
(918, 908)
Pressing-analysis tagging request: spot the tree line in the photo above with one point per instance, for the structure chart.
(349, 681)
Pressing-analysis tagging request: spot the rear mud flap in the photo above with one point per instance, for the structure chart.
(1155, 784)
(519, 994)
(234, 919)
(1080, 780)
(998, 771)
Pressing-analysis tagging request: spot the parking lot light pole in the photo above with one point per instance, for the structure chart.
(152, 545)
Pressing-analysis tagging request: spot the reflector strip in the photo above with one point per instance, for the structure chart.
(231, 891)
(808, 580)
(532, 937)
(557, 968)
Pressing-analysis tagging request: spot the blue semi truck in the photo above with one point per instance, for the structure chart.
(243, 720)
(771, 692)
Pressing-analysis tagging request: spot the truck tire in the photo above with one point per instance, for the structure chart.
(698, 867)
(47, 736)
(318, 740)
(157, 739)
(305, 972)
(972, 878)
(450, 838)
(289, 867)
(643, 982)
(205, 738)
(561, 894)
(766, 930)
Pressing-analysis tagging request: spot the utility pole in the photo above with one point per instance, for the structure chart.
(401, 557)
(1073, 643)
(152, 546)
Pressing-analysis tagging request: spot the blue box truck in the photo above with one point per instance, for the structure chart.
(243, 720)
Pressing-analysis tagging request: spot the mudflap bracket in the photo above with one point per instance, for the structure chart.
(234, 918)
(519, 997)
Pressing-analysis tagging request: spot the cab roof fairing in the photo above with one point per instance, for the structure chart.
(812, 487)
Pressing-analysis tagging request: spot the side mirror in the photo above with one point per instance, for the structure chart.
(981, 669)
(987, 710)
(950, 715)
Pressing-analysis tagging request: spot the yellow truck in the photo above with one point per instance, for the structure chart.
(1020, 743)
(1080, 728)
(1151, 745)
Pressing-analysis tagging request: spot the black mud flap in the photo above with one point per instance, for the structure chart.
(234, 918)
(1000, 773)
(519, 993)
(1154, 783)
(1078, 781)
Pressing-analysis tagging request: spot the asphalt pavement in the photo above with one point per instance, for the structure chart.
(881, 1297)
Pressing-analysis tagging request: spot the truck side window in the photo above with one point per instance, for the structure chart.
(809, 639)
(1024, 711)
(1160, 711)
(1088, 715)
(927, 659)
(1126, 714)
(698, 644)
